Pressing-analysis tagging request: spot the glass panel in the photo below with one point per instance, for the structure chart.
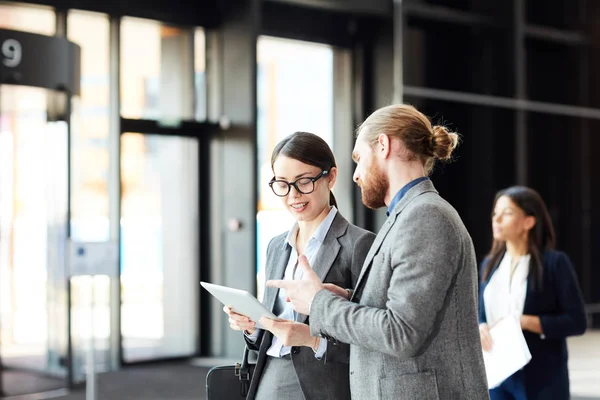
(295, 93)
(140, 68)
(33, 221)
(562, 183)
(464, 5)
(562, 14)
(430, 45)
(157, 71)
(476, 7)
(593, 211)
(82, 325)
(200, 73)
(89, 185)
(159, 246)
(90, 130)
(547, 65)
(28, 19)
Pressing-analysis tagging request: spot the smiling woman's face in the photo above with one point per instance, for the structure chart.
(303, 207)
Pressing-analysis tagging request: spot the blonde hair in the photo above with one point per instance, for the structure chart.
(422, 140)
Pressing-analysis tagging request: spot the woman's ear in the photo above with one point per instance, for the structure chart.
(529, 222)
(332, 177)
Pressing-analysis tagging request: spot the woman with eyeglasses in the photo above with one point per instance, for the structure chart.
(525, 278)
(304, 172)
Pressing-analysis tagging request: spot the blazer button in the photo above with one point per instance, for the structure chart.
(295, 350)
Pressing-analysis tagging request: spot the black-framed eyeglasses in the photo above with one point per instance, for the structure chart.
(303, 185)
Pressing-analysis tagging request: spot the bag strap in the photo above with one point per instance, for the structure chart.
(243, 371)
(245, 358)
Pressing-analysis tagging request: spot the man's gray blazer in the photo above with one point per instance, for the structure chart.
(412, 320)
(338, 261)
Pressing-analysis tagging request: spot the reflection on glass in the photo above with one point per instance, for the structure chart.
(90, 129)
(140, 68)
(159, 246)
(33, 218)
(32, 19)
(295, 93)
(162, 71)
(82, 325)
(200, 74)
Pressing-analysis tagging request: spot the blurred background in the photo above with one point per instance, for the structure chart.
(147, 128)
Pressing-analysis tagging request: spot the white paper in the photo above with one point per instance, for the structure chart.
(509, 352)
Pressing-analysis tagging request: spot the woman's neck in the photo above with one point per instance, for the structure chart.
(307, 228)
(517, 248)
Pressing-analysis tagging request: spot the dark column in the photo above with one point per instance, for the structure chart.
(520, 68)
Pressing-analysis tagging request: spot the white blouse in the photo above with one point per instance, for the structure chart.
(504, 296)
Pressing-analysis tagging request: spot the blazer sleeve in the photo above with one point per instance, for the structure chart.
(482, 285)
(424, 262)
(255, 345)
(569, 319)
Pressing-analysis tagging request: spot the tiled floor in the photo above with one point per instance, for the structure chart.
(584, 365)
(179, 381)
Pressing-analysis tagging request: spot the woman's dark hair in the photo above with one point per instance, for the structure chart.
(541, 236)
(307, 148)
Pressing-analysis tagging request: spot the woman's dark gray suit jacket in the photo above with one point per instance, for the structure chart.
(338, 261)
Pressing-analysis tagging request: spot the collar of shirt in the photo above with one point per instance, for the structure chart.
(319, 234)
(402, 192)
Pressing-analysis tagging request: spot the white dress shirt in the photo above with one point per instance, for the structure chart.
(277, 348)
(505, 294)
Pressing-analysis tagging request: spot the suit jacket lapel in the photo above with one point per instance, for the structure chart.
(529, 295)
(372, 252)
(328, 252)
(280, 261)
(415, 191)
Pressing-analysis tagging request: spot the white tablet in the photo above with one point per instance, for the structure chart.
(240, 301)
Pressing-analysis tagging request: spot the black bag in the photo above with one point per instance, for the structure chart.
(226, 382)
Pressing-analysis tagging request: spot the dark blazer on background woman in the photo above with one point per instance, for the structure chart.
(559, 304)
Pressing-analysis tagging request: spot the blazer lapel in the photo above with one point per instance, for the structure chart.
(328, 252)
(417, 190)
(280, 261)
(381, 235)
(529, 295)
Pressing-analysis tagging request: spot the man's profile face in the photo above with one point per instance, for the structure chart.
(368, 175)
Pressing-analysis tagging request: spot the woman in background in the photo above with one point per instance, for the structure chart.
(524, 277)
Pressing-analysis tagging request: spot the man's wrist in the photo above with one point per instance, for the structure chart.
(310, 303)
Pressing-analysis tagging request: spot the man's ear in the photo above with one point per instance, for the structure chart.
(383, 146)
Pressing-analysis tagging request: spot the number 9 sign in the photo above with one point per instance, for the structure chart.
(11, 53)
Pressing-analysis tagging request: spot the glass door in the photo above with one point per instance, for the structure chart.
(33, 237)
(159, 246)
(295, 93)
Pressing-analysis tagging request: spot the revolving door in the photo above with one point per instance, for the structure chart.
(39, 79)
